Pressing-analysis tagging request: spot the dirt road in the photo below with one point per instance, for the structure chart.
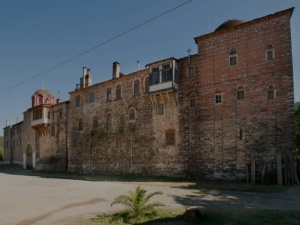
(28, 200)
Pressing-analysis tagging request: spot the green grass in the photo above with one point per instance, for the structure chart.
(214, 217)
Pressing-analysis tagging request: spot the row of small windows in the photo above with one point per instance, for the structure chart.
(108, 119)
(14, 144)
(240, 95)
(118, 92)
(233, 55)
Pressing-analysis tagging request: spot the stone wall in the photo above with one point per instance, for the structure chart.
(52, 148)
(123, 145)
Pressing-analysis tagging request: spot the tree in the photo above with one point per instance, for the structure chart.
(137, 203)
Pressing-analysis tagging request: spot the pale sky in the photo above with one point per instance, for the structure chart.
(37, 35)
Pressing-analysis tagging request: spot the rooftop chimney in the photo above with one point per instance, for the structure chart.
(88, 78)
(116, 70)
(17, 119)
(83, 75)
(7, 123)
(58, 100)
(138, 65)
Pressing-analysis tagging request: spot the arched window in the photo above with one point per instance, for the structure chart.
(40, 100)
(147, 85)
(95, 122)
(108, 94)
(108, 119)
(77, 103)
(136, 88)
(131, 114)
(118, 92)
(80, 124)
(92, 97)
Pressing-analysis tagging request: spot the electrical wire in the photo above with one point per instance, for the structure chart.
(96, 46)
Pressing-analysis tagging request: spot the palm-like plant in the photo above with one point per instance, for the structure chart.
(137, 202)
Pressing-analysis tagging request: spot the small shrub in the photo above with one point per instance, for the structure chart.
(270, 177)
(137, 204)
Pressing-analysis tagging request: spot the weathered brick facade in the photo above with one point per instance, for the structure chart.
(223, 113)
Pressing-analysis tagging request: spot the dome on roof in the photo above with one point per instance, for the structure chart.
(228, 24)
(43, 92)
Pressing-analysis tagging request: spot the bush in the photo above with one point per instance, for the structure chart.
(1, 155)
(270, 177)
(137, 204)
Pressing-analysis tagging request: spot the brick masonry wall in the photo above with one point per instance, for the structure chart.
(221, 138)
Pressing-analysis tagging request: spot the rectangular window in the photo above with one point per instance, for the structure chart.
(170, 137)
(232, 60)
(192, 103)
(160, 109)
(218, 98)
(154, 78)
(240, 95)
(166, 75)
(37, 114)
(270, 55)
(271, 94)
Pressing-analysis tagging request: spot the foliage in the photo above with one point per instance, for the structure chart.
(137, 204)
(160, 217)
(270, 177)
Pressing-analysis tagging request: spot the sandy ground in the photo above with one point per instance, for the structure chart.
(26, 200)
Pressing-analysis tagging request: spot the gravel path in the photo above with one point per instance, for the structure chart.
(42, 201)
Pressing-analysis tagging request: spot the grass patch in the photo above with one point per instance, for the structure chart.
(159, 216)
(215, 217)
